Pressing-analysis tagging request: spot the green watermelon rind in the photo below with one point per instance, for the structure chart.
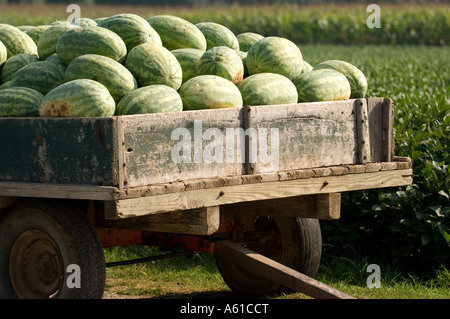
(41, 76)
(3, 54)
(19, 102)
(210, 92)
(222, 61)
(151, 64)
(188, 59)
(16, 41)
(354, 75)
(177, 33)
(322, 85)
(218, 35)
(156, 98)
(78, 98)
(112, 74)
(275, 55)
(46, 44)
(268, 89)
(247, 39)
(133, 29)
(36, 32)
(90, 40)
(15, 63)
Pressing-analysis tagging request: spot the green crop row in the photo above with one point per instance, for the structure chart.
(341, 24)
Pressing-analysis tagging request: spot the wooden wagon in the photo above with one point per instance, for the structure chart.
(248, 185)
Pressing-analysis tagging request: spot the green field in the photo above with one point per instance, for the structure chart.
(406, 230)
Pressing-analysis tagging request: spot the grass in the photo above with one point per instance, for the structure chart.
(198, 277)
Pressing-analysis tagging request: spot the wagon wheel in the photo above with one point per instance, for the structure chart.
(38, 242)
(293, 242)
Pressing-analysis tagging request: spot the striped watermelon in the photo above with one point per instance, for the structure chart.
(16, 41)
(218, 35)
(322, 85)
(3, 54)
(47, 41)
(113, 75)
(222, 61)
(247, 39)
(306, 67)
(41, 76)
(36, 32)
(19, 101)
(133, 29)
(15, 63)
(78, 98)
(268, 89)
(54, 58)
(151, 63)
(177, 33)
(156, 98)
(84, 22)
(243, 56)
(5, 85)
(210, 92)
(355, 76)
(188, 59)
(90, 40)
(275, 55)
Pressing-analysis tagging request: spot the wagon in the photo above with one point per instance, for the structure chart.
(248, 185)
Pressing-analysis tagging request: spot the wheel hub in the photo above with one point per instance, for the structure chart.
(36, 266)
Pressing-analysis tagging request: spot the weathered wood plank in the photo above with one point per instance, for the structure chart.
(260, 191)
(168, 147)
(321, 206)
(305, 135)
(203, 221)
(55, 190)
(260, 265)
(362, 126)
(58, 150)
(388, 130)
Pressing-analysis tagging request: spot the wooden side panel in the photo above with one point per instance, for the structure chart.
(304, 135)
(168, 147)
(58, 150)
(381, 113)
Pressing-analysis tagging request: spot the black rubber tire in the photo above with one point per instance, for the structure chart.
(74, 239)
(300, 248)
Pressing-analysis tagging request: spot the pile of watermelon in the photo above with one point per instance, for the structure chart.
(125, 64)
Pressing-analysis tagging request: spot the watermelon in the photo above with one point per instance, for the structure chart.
(24, 28)
(47, 41)
(243, 56)
(16, 41)
(90, 40)
(19, 101)
(177, 33)
(268, 89)
(84, 22)
(156, 98)
(275, 55)
(151, 63)
(133, 29)
(188, 59)
(322, 85)
(36, 32)
(78, 98)
(247, 39)
(5, 85)
(306, 67)
(41, 76)
(15, 63)
(355, 76)
(218, 35)
(210, 92)
(222, 61)
(113, 75)
(3, 54)
(57, 61)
